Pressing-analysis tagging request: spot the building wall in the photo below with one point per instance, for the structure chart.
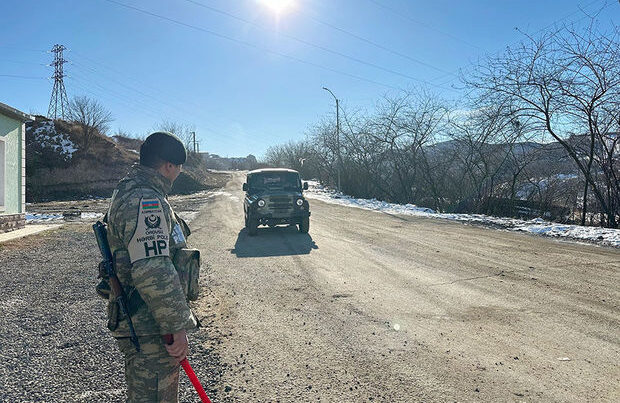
(12, 132)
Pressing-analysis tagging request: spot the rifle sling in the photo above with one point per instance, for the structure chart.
(134, 301)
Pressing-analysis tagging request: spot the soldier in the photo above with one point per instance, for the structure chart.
(145, 237)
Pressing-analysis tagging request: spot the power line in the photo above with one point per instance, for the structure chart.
(571, 14)
(137, 106)
(536, 32)
(147, 96)
(320, 47)
(24, 77)
(377, 45)
(86, 85)
(125, 104)
(22, 62)
(133, 89)
(248, 44)
(407, 17)
(142, 84)
(24, 49)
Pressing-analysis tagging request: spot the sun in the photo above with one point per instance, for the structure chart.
(278, 6)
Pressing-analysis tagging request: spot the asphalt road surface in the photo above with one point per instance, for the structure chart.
(373, 306)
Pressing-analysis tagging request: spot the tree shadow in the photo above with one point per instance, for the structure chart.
(276, 241)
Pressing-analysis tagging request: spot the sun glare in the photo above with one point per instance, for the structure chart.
(278, 6)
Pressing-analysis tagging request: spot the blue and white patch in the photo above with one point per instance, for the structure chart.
(177, 235)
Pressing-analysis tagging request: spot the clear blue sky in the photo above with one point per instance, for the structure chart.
(245, 76)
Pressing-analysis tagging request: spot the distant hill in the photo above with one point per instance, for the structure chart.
(545, 158)
(59, 166)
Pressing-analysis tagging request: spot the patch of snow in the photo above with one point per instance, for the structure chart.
(603, 236)
(39, 218)
(91, 216)
(526, 190)
(564, 177)
(47, 137)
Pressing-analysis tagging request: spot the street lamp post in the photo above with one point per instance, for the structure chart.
(337, 136)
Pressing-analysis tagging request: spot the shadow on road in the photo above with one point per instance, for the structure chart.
(277, 241)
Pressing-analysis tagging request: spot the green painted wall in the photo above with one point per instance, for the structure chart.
(11, 133)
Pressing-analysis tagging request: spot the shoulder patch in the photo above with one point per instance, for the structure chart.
(151, 236)
(177, 235)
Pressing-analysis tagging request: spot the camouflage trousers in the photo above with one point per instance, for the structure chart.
(151, 375)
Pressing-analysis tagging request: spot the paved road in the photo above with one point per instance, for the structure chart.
(373, 306)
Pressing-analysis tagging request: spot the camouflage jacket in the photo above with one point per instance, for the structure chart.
(144, 235)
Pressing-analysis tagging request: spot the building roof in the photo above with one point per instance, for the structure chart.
(256, 171)
(14, 113)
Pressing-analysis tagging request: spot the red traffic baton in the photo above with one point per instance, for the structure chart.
(194, 380)
(190, 373)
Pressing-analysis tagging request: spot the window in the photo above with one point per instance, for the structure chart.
(274, 180)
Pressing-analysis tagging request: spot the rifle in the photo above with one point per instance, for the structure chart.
(117, 289)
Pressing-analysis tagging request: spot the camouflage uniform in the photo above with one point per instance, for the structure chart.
(144, 236)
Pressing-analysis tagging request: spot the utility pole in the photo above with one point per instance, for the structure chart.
(58, 101)
(337, 135)
(196, 144)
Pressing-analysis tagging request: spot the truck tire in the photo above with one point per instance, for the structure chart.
(252, 225)
(304, 225)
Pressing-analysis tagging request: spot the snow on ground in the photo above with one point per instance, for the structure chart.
(41, 218)
(37, 218)
(602, 236)
(47, 136)
(535, 184)
(225, 194)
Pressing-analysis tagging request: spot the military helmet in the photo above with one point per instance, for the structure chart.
(165, 146)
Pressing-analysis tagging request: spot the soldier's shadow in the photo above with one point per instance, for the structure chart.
(277, 241)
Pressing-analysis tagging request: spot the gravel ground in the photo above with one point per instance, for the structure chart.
(55, 346)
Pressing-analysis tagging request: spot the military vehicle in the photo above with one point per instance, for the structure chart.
(274, 196)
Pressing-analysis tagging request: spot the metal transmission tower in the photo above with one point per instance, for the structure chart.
(59, 104)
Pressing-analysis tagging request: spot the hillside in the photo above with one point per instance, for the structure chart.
(61, 164)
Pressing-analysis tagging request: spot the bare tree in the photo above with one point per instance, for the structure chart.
(567, 83)
(91, 116)
(185, 132)
(297, 155)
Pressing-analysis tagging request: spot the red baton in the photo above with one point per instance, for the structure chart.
(194, 380)
(190, 373)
